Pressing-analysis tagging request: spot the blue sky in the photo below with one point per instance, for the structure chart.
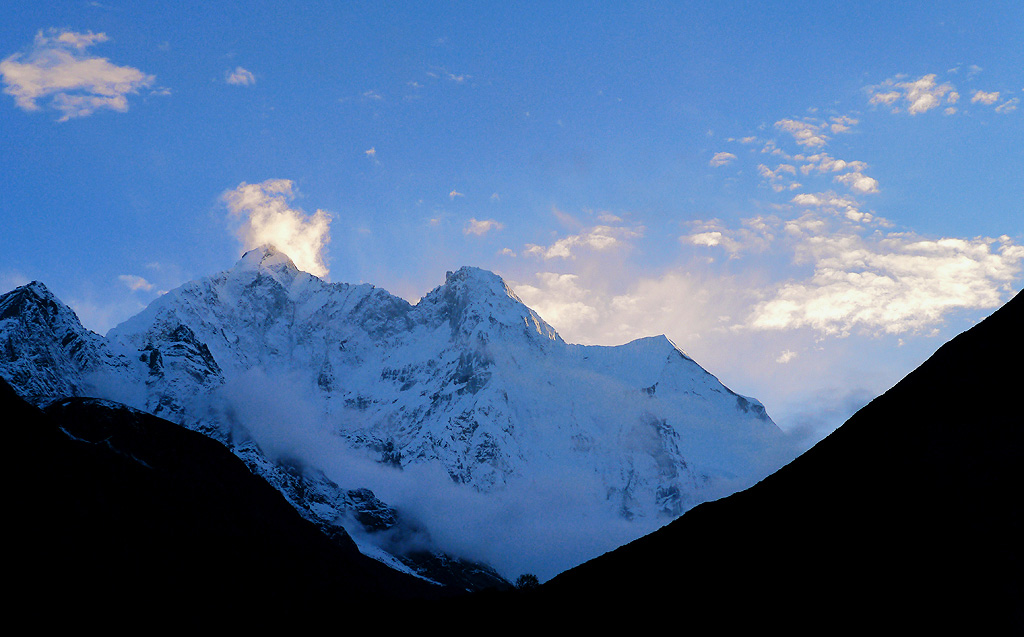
(809, 199)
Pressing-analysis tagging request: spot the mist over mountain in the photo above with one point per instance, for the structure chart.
(909, 516)
(459, 427)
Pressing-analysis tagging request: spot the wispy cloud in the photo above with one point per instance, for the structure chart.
(755, 235)
(842, 124)
(721, 159)
(780, 178)
(562, 301)
(984, 98)
(240, 77)
(135, 283)
(599, 238)
(786, 356)
(1008, 106)
(57, 71)
(810, 133)
(482, 226)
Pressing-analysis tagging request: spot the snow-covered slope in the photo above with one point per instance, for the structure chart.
(45, 352)
(361, 388)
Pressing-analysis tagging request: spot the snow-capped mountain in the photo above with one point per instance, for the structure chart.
(46, 352)
(335, 384)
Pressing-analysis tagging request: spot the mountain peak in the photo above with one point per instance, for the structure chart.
(35, 288)
(33, 294)
(265, 256)
(472, 297)
(477, 280)
(269, 261)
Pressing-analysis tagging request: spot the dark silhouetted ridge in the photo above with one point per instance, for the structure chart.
(909, 515)
(114, 511)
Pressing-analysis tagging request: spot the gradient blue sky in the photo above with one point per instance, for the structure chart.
(807, 197)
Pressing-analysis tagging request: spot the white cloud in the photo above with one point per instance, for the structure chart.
(786, 356)
(74, 40)
(455, 193)
(780, 178)
(863, 276)
(824, 163)
(824, 199)
(57, 69)
(135, 283)
(482, 227)
(807, 134)
(984, 98)
(889, 283)
(597, 238)
(919, 96)
(842, 123)
(924, 94)
(858, 183)
(561, 301)
(711, 238)
(832, 204)
(240, 77)
(887, 98)
(588, 306)
(756, 235)
(268, 219)
(721, 159)
(1008, 106)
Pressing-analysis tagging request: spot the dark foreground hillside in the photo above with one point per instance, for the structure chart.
(909, 515)
(112, 512)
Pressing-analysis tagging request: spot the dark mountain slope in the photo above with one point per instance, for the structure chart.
(910, 515)
(114, 510)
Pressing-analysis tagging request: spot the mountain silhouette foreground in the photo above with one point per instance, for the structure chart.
(114, 515)
(907, 516)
